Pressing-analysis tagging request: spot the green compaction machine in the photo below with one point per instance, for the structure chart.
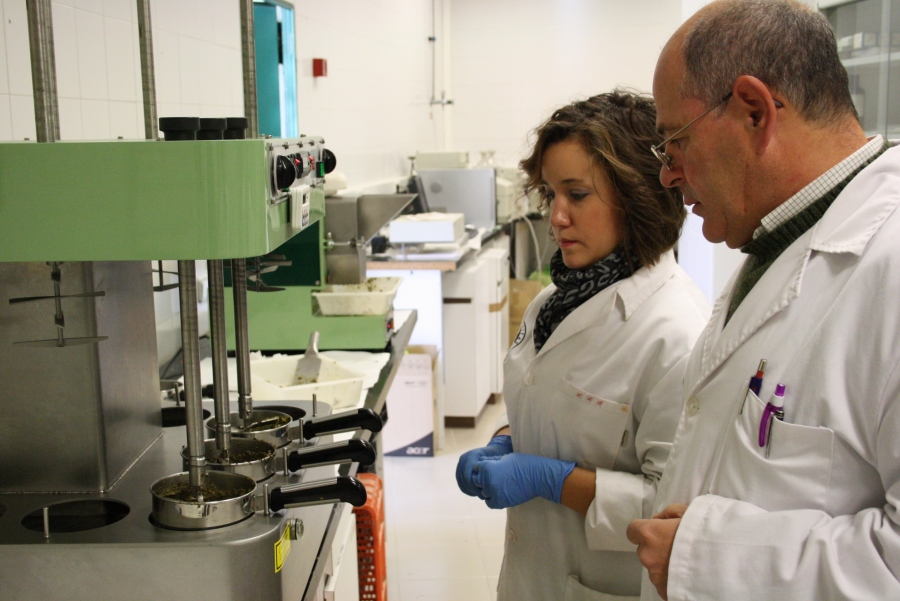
(331, 252)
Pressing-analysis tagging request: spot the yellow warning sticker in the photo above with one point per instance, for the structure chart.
(282, 548)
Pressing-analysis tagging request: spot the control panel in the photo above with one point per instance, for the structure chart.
(297, 163)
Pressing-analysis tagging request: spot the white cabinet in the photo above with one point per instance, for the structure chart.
(476, 333)
(467, 341)
(498, 313)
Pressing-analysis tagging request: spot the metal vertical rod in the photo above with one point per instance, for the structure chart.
(46, 522)
(219, 354)
(248, 57)
(59, 318)
(241, 336)
(148, 80)
(43, 70)
(190, 354)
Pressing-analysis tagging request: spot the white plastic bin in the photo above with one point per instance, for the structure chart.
(374, 297)
(272, 379)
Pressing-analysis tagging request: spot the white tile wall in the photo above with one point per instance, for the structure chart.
(196, 49)
(92, 56)
(99, 80)
(22, 117)
(197, 53)
(4, 75)
(5, 118)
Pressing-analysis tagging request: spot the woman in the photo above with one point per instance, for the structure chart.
(591, 410)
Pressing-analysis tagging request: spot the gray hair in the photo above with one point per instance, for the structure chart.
(785, 44)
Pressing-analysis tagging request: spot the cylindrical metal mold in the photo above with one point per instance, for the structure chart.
(237, 501)
(248, 457)
(272, 427)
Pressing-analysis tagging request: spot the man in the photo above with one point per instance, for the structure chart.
(792, 496)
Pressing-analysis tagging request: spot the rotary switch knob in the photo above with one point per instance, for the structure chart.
(285, 172)
(328, 160)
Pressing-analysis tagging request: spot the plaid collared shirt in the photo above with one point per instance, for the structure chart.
(818, 187)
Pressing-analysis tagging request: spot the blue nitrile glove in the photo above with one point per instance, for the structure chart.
(499, 446)
(518, 477)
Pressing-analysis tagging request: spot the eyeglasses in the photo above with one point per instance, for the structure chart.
(660, 150)
(666, 159)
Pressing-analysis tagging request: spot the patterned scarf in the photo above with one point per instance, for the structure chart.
(575, 287)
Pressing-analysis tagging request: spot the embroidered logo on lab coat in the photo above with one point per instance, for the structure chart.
(519, 337)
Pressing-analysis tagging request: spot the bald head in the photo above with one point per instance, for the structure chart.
(783, 43)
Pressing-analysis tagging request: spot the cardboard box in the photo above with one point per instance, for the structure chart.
(521, 293)
(409, 431)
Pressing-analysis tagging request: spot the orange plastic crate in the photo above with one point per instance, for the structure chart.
(370, 545)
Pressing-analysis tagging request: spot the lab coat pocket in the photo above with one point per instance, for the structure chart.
(796, 473)
(575, 591)
(585, 428)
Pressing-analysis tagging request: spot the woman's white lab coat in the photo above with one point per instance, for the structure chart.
(818, 517)
(596, 395)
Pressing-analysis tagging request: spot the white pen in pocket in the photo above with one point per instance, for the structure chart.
(774, 409)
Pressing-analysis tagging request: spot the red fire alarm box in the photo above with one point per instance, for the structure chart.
(320, 67)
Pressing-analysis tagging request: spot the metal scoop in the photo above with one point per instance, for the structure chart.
(308, 367)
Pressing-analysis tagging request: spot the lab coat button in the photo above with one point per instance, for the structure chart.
(693, 406)
(511, 535)
(529, 378)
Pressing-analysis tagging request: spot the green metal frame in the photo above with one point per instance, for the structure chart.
(137, 200)
(284, 320)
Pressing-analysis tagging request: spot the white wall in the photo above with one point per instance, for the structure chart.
(372, 108)
(515, 61)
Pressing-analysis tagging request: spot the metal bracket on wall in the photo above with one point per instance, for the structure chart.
(59, 318)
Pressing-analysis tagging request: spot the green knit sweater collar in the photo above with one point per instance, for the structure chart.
(766, 248)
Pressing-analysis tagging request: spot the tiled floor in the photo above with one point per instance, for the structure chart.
(441, 544)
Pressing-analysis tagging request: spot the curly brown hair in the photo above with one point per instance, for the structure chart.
(617, 129)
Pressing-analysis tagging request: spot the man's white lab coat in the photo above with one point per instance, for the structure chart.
(817, 518)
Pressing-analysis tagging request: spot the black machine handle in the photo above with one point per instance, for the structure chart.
(345, 489)
(355, 419)
(346, 451)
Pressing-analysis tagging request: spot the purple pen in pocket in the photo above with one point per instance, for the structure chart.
(774, 408)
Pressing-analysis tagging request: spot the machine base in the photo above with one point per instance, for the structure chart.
(133, 559)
